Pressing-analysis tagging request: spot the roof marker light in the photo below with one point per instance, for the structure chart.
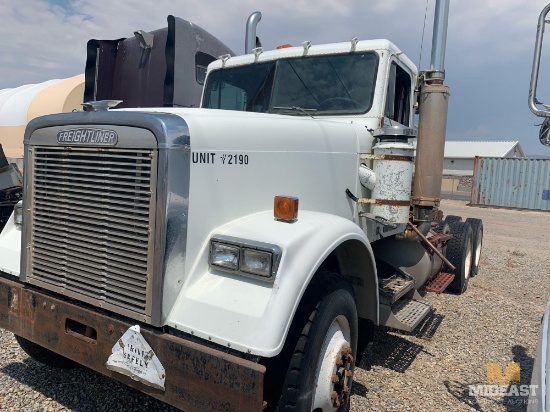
(284, 46)
(285, 208)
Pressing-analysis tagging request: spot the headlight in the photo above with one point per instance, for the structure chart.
(257, 260)
(18, 214)
(226, 256)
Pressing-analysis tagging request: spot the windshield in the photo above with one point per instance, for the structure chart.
(336, 84)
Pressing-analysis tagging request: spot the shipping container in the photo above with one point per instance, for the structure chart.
(515, 183)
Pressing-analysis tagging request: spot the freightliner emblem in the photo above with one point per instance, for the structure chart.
(87, 136)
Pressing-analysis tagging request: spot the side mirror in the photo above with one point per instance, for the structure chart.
(544, 133)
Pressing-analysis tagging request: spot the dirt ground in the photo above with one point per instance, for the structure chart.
(496, 320)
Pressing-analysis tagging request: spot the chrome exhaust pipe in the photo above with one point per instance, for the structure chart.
(250, 40)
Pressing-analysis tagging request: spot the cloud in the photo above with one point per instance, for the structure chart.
(489, 52)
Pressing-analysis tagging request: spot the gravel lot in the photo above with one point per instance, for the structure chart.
(496, 320)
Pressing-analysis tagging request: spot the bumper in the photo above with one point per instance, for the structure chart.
(198, 378)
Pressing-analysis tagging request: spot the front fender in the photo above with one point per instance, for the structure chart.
(254, 316)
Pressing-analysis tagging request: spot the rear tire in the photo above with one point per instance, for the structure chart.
(450, 219)
(443, 226)
(325, 347)
(459, 253)
(477, 242)
(43, 355)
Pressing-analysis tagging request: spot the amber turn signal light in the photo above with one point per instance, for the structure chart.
(285, 208)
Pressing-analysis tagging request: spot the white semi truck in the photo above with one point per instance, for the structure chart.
(237, 256)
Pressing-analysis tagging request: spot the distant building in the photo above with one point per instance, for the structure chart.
(460, 155)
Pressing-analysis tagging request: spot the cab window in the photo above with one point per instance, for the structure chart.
(398, 97)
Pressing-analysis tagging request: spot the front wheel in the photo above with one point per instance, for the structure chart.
(320, 373)
(43, 355)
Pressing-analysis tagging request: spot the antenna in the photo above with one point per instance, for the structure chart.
(423, 31)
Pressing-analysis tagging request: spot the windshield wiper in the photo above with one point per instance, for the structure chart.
(341, 82)
(296, 108)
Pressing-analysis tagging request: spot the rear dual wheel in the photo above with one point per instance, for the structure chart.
(477, 242)
(459, 253)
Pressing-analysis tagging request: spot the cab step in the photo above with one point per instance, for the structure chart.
(405, 314)
(394, 288)
(439, 283)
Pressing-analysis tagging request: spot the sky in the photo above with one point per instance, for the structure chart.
(488, 60)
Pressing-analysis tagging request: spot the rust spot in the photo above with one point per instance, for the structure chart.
(13, 299)
(396, 158)
(388, 202)
(28, 305)
(201, 378)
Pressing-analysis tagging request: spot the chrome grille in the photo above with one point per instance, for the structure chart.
(92, 215)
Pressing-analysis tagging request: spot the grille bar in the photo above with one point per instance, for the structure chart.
(91, 235)
(139, 220)
(62, 164)
(72, 196)
(98, 232)
(99, 206)
(107, 178)
(96, 222)
(104, 185)
(82, 253)
(117, 248)
(92, 222)
(71, 190)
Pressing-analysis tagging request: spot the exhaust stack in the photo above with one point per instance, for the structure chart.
(433, 108)
(250, 40)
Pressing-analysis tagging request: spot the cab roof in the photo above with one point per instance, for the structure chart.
(379, 45)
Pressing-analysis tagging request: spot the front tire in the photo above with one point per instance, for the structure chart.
(43, 355)
(320, 373)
